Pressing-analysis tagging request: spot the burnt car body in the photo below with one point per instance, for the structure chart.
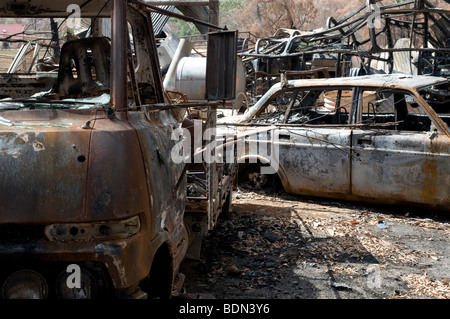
(86, 174)
(370, 138)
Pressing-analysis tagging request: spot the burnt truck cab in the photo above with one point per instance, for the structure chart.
(91, 203)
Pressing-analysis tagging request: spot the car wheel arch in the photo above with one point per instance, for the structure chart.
(258, 161)
(159, 281)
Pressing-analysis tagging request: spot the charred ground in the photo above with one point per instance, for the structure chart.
(288, 247)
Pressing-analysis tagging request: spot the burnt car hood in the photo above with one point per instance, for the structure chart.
(52, 170)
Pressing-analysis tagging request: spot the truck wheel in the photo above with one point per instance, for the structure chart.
(159, 283)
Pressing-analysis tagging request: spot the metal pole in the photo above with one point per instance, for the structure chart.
(119, 55)
(183, 50)
(214, 13)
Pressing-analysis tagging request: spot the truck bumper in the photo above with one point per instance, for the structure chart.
(116, 265)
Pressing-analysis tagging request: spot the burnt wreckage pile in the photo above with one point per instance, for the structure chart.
(411, 37)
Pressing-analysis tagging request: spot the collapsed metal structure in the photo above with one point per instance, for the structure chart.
(411, 37)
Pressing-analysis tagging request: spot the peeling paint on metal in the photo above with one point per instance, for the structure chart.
(38, 146)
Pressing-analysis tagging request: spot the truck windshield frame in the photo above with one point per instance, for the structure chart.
(32, 62)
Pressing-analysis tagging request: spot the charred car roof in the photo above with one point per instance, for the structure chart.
(400, 81)
(389, 81)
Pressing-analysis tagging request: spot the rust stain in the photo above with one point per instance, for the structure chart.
(429, 187)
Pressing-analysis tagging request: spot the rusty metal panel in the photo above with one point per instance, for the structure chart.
(401, 167)
(18, 86)
(116, 184)
(44, 161)
(39, 159)
(315, 161)
(167, 202)
(221, 66)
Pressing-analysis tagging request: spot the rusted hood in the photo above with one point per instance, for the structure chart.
(52, 170)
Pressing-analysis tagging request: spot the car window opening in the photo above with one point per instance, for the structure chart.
(312, 107)
(399, 111)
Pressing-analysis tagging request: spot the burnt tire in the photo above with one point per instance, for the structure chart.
(250, 177)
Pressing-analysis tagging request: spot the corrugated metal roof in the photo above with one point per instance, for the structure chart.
(198, 12)
(160, 20)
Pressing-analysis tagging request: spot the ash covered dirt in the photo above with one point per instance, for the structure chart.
(289, 247)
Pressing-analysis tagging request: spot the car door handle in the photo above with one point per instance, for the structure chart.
(365, 141)
(284, 137)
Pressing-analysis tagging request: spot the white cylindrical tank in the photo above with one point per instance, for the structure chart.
(184, 50)
(190, 79)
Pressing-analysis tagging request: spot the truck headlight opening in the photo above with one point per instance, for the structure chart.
(68, 286)
(25, 284)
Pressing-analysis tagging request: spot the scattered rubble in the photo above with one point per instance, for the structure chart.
(285, 247)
